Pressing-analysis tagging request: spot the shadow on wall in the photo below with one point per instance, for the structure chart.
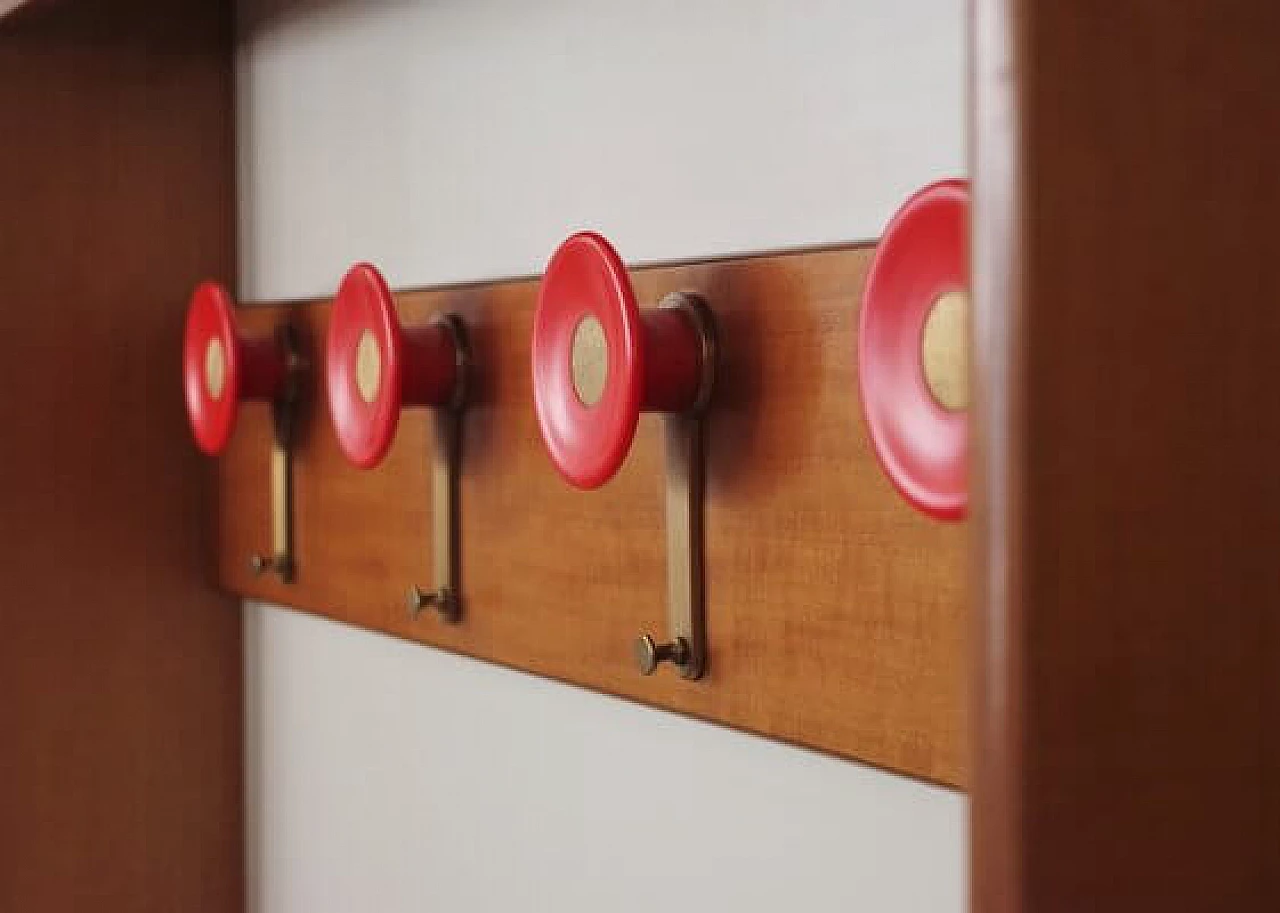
(258, 15)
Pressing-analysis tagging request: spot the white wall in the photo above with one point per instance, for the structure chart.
(461, 139)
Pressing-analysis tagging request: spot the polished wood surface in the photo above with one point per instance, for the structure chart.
(1128, 611)
(120, 667)
(836, 614)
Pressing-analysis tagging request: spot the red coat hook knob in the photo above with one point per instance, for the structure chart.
(598, 361)
(375, 367)
(221, 367)
(912, 369)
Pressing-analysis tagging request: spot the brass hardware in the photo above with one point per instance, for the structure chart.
(649, 654)
(442, 600)
(284, 416)
(943, 349)
(590, 360)
(368, 367)
(446, 464)
(260, 564)
(215, 368)
(686, 471)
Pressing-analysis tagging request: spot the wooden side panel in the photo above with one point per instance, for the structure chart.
(120, 667)
(1129, 629)
(836, 613)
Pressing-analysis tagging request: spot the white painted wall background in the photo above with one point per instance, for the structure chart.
(462, 139)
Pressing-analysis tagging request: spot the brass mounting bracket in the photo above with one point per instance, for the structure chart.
(685, 434)
(446, 470)
(284, 419)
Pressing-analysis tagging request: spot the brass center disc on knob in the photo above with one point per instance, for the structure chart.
(943, 350)
(368, 367)
(590, 360)
(215, 369)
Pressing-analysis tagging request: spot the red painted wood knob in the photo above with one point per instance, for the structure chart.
(374, 367)
(912, 369)
(598, 361)
(221, 367)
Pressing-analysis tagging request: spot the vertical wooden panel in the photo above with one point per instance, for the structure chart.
(1127, 330)
(120, 782)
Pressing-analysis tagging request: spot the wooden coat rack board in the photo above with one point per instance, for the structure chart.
(836, 613)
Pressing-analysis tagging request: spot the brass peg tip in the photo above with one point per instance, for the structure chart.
(650, 655)
(418, 599)
(441, 600)
(281, 565)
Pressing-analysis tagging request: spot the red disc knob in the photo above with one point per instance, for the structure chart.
(911, 342)
(374, 367)
(221, 367)
(598, 361)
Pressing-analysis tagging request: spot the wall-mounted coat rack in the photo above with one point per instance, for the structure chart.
(834, 611)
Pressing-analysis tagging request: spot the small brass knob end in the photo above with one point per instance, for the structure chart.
(281, 566)
(649, 655)
(442, 600)
(418, 599)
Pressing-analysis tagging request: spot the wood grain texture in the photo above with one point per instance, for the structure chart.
(1128, 607)
(836, 614)
(120, 666)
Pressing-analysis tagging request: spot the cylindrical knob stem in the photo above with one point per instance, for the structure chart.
(430, 365)
(649, 655)
(673, 363)
(265, 368)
